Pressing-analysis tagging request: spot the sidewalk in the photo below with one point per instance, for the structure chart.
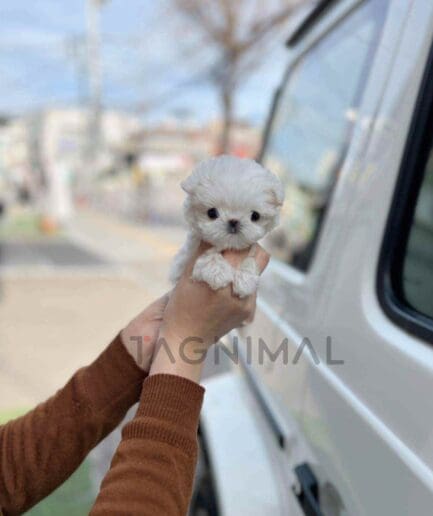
(122, 241)
(143, 253)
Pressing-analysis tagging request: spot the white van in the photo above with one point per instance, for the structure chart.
(331, 412)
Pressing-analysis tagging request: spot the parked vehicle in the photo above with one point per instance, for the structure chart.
(344, 423)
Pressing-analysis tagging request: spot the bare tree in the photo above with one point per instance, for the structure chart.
(236, 33)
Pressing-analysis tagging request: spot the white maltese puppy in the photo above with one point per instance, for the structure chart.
(231, 203)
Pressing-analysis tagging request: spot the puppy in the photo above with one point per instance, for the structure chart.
(231, 203)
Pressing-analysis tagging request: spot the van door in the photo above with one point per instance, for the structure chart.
(320, 123)
(367, 421)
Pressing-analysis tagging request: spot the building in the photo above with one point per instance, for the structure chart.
(45, 153)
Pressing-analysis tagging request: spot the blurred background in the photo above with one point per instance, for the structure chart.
(105, 105)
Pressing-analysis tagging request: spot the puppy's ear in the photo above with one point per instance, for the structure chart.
(276, 192)
(189, 184)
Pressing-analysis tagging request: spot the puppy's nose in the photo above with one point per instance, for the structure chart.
(233, 226)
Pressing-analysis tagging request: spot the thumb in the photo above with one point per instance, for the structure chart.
(261, 257)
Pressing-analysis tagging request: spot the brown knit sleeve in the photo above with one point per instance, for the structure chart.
(40, 450)
(153, 469)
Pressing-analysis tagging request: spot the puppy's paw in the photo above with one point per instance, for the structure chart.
(213, 270)
(246, 278)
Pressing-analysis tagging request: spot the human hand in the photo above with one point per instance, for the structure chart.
(197, 316)
(140, 335)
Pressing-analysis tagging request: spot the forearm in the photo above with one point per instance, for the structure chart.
(40, 450)
(153, 469)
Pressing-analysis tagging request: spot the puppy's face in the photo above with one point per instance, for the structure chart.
(232, 202)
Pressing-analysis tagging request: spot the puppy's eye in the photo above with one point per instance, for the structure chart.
(255, 216)
(212, 213)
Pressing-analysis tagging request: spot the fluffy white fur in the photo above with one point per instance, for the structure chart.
(235, 188)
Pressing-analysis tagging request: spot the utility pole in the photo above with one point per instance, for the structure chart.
(93, 40)
(76, 52)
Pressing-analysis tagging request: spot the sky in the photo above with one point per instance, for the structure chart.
(42, 64)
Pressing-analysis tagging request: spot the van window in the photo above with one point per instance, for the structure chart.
(405, 271)
(310, 128)
(417, 277)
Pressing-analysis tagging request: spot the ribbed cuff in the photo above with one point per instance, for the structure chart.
(169, 411)
(113, 376)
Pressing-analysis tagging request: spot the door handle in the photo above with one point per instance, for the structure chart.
(307, 490)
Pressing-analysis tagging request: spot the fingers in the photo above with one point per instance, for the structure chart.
(162, 301)
(235, 258)
(156, 309)
(251, 308)
(248, 307)
(164, 298)
(261, 257)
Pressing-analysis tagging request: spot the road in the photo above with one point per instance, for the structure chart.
(50, 253)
